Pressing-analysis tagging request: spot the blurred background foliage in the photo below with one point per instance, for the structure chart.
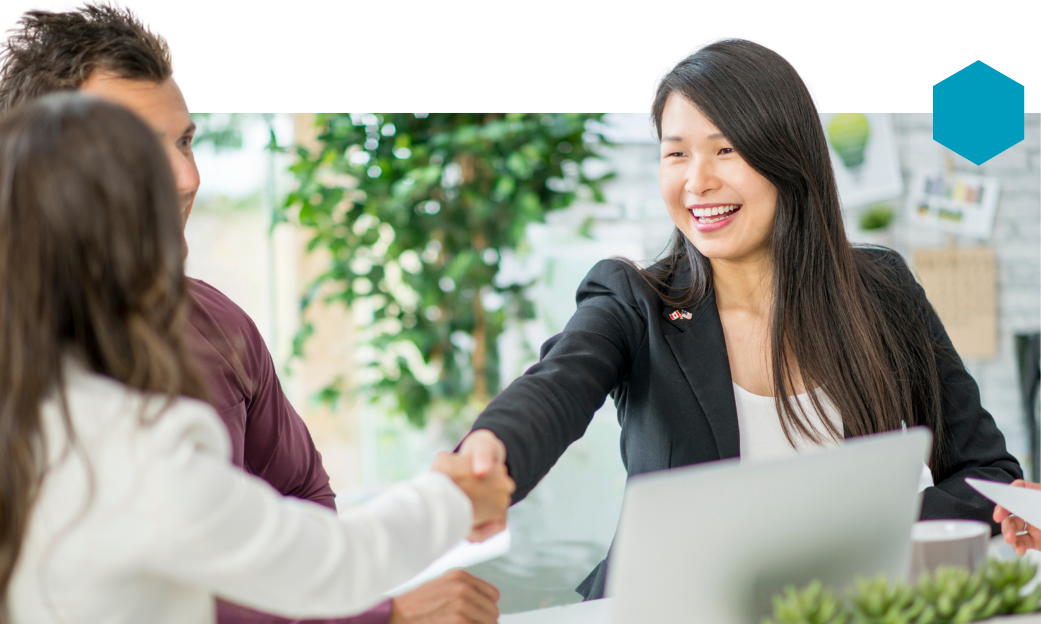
(221, 131)
(416, 212)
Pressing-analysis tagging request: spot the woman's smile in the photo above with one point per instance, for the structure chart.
(712, 217)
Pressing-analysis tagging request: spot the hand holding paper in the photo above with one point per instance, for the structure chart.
(1022, 531)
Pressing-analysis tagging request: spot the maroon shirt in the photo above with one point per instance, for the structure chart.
(268, 437)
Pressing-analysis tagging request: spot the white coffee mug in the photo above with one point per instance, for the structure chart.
(947, 543)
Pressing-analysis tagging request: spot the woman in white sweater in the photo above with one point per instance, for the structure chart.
(118, 502)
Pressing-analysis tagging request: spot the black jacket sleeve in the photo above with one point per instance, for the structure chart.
(974, 446)
(550, 406)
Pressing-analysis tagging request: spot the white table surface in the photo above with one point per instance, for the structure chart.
(592, 612)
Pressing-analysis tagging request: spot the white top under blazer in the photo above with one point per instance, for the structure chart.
(144, 519)
(762, 439)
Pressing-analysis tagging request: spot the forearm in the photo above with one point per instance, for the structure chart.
(245, 543)
(540, 414)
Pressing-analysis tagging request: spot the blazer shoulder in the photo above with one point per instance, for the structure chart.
(616, 277)
(882, 257)
(883, 267)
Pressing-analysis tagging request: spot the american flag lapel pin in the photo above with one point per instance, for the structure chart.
(686, 316)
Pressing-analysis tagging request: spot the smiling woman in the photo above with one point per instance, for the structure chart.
(762, 333)
(706, 184)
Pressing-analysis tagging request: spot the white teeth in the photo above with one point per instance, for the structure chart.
(711, 212)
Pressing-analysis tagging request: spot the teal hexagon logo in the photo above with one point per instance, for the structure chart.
(978, 112)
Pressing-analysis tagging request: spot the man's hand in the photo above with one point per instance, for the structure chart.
(1017, 533)
(457, 597)
(489, 494)
(486, 452)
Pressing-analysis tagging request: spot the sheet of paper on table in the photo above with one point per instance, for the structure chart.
(591, 612)
(462, 555)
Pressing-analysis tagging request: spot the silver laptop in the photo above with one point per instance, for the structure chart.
(712, 543)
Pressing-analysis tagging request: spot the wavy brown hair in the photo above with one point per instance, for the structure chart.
(91, 264)
(840, 319)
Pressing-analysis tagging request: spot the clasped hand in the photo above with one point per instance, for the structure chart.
(489, 492)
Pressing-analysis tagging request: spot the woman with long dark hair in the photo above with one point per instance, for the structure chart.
(118, 501)
(763, 332)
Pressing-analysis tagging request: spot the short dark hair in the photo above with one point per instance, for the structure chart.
(49, 52)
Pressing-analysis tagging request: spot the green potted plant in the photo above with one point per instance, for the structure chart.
(873, 225)
(416, 211)
(948, 595)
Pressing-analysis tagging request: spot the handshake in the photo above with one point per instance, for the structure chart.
(479, 470)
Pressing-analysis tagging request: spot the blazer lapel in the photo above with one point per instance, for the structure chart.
(701, 351)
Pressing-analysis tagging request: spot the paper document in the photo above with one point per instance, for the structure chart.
(1023, 502)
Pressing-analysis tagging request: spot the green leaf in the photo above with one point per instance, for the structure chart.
(503, 163)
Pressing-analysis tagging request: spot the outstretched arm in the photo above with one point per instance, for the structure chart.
(235, 536)
(532, 422)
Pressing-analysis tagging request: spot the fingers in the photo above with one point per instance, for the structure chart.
(1000, 513)
(1020, 535)
(485, 588)
(1008, 532)
(485, 450)
(475, 598)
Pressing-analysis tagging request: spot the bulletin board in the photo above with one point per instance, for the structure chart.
(961, 284)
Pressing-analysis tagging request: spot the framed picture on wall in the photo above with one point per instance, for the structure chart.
(864, 157)
(959, 204)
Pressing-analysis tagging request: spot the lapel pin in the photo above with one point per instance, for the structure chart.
(680, 314)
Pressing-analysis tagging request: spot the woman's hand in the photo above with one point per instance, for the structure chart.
(490, 493)
(486, 453)
(1013, 526)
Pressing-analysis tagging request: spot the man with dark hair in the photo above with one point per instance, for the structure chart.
(107, 52)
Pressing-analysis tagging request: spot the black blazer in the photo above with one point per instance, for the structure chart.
(671, 383)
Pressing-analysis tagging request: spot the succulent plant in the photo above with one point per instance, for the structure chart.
(811, 605)
(954, 595)
(1005, 580)
(949, 595)
(877, 602)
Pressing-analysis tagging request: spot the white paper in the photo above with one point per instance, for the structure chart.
(1023, 502)
(463, 555)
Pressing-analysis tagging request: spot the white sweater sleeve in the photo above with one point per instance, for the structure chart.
(234, 535)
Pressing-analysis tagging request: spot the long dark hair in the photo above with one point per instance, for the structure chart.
(843, 320)
(91, 265)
